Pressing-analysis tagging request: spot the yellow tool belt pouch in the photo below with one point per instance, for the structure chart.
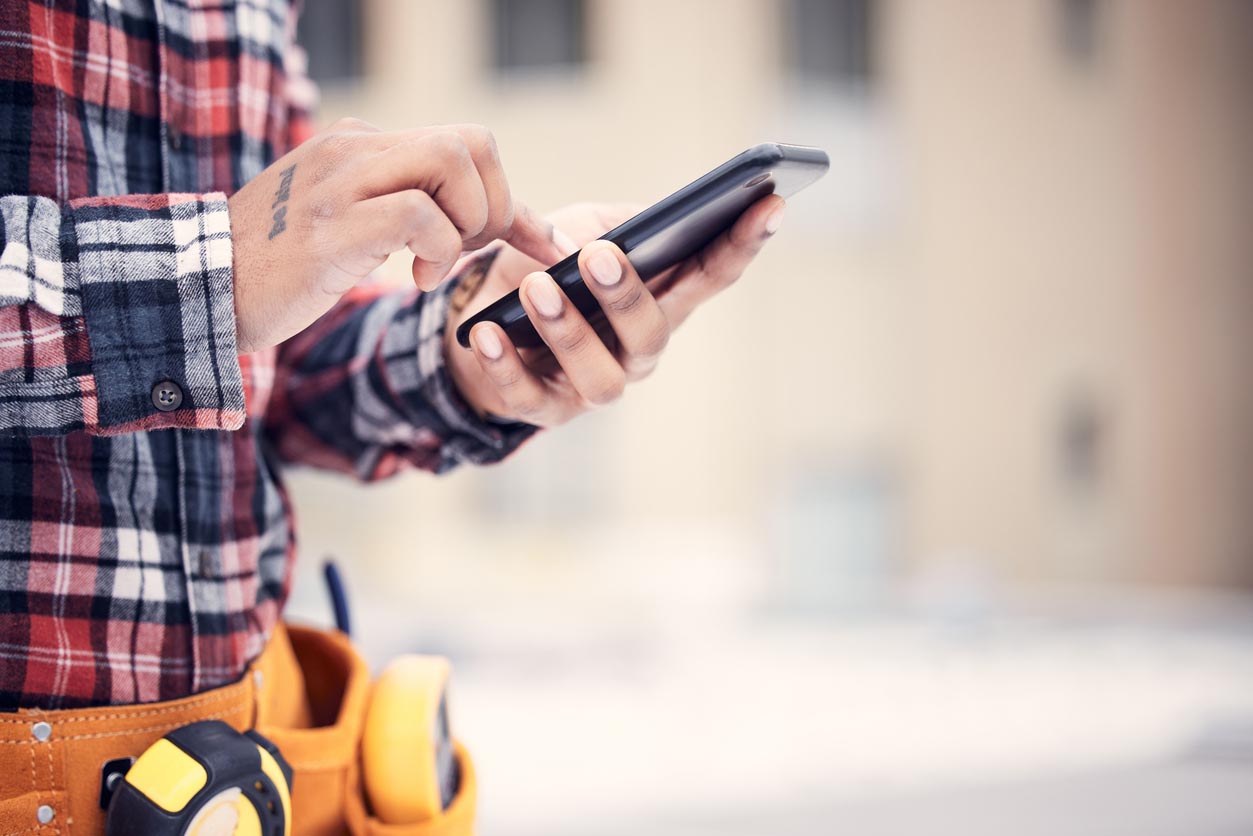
(307, 693)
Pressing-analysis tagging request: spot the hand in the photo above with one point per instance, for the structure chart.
(583, 367)
(316, 222)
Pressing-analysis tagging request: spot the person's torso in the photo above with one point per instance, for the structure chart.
(145, 566)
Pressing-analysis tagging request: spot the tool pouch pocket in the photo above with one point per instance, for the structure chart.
(314, 713)
(52, 763)
(311, 695)
(19, 816)
(457, 820)
(307, 693)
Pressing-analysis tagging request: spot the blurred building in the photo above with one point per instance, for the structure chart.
(1008, 336)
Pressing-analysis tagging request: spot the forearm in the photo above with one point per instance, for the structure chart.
(366, 390)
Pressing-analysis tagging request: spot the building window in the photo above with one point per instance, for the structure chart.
(1080, 24)
(1081, 443)
(831, 42)
(539, 34)
(331, 32)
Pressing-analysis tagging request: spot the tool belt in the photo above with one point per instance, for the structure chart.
(307, 694)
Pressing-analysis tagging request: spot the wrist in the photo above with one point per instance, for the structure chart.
(463, 367)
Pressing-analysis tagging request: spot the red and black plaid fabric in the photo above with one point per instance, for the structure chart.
(145, 552)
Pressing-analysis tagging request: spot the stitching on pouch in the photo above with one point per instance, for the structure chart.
(34, 780)
(217, 715)
(52, 780)
(127, 715)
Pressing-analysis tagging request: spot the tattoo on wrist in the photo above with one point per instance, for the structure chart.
(280, 201)
(471, 280)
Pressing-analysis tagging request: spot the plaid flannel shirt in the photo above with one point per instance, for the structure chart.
(145, 537)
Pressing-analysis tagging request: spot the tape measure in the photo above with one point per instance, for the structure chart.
(204, 779)
(408, 764)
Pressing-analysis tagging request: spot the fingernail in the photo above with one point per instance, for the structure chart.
(544, 295)
(605, 268)
(564, 242)
(774, 220)
(488, 343)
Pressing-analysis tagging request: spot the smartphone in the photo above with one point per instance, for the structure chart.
(673, 229)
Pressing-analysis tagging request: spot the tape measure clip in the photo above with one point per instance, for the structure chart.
(111, 774)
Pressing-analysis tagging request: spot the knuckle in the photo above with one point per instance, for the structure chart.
(439, 253)
(334, 147)
(508, 378)
(449, 146)
(414, 204)
(496, 228)
(572, 340)
(529, 407)
(425, 216)
(475, 223)
(657, 340)
(491, 229)
(606, 391)
(351, 124)
(449, 246)
(324, 208)
(639, 368)
(498, 221)
(480, 140)
(628, 301)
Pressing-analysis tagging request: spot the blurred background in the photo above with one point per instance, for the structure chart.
(941, 520)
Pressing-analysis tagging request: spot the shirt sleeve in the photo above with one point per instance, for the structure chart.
(301, 92)
(117, 315)
(365, 390)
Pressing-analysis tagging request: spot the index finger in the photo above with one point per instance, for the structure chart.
(533, 235)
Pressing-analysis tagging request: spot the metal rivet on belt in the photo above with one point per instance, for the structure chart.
(44, 814)
(41, 730)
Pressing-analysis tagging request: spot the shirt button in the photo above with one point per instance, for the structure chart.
(176, 138)
(167, 396)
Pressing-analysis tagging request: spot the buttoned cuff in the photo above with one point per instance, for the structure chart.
(159, 307)
(468, 438)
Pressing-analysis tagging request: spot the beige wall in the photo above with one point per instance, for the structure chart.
(1083, 231)
(1001, 234)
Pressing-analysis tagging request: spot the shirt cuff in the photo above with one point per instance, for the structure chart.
(159, 307)
(468, 438)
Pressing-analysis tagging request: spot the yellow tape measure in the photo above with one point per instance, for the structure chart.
(407, 761)
(204, 779)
